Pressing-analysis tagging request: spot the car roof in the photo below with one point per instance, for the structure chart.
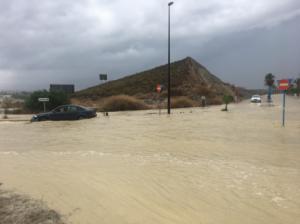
(70, 105)
(73, 105)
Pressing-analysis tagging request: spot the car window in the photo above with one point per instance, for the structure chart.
(80, 109)
(59, 110)
(65, 109)
(72, 109)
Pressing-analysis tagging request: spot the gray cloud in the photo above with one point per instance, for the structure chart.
(66, 41)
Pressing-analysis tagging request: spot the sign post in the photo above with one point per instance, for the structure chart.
(283, 85)
(159, 88)
(44, 101)
(283, 108)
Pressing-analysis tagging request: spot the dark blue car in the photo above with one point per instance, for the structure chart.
(66, 112)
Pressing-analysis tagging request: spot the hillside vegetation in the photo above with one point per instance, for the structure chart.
(189, 79)
(123, 103)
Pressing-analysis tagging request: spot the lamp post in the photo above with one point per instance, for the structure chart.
(169, 69)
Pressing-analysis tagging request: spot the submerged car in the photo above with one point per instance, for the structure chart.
(255, 99)
(66, 112)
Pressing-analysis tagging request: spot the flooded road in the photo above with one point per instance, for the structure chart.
(196, 166)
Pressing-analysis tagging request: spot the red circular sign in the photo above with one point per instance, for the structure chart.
(283, 84)
(158, 88)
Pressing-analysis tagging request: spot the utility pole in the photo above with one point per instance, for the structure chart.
(169, 69)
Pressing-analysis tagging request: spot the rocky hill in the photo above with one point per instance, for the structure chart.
(188, 78)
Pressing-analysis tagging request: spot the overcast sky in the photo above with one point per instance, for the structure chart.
(67, 41)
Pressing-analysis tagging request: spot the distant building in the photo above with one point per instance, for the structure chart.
(69, 89)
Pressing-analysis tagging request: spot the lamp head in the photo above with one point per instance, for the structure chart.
(170, 3)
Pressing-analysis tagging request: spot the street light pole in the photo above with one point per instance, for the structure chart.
(169, 69)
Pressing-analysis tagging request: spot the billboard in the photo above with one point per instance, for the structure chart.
(67, 88)
(103, 77)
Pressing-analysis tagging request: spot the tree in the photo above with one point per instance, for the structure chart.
(297, 81)
(55, 99)
(6, 104)
(269, 81)
(227, 99)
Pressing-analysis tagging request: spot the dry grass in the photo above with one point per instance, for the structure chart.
(189, 79)
(84, 102)
(182, 102)
(122, 103)
(215, 101)
(19, 209)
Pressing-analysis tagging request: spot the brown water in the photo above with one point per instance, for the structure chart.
(197, 166)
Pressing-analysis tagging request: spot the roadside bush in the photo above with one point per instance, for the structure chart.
(123, 103)
(15, 208)
(6, 104)
(202, 90)
(181, 102)
(227, 99)
(55, 99)
(215, 101)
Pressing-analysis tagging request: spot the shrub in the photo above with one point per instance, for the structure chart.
(215, 101)
(123, 103)
(83, 102)
(227, 99)
(16, 208)
(202, 90)
(55, 99)
(181, 102)
(6, 104)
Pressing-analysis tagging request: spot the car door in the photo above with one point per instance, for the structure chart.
(72, 113)
(59, 113)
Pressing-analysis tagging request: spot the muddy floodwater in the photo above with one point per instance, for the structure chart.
(196, 166)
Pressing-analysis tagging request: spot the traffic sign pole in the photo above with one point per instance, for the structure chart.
(283, 108)
(159, 89)
(44, 101)
(283, 85)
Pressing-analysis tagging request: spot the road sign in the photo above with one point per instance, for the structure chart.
(283, 84)
(158, 88)
(43, 99)
(103, 77)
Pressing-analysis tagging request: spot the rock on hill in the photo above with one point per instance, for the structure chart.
(188, 78)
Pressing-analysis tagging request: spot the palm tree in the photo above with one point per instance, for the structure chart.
(269, 81)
